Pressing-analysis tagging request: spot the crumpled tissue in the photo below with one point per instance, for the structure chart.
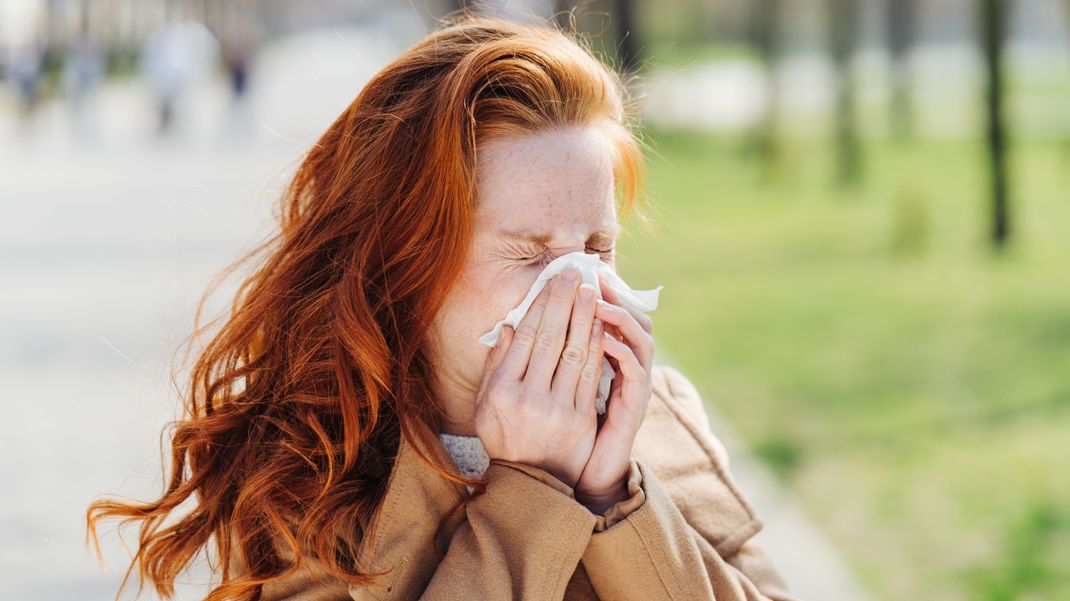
(589, 266)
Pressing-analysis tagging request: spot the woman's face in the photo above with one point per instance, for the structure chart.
(540, 196)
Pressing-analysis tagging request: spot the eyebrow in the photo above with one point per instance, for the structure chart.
(605, 234)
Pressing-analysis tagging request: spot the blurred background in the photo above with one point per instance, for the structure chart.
(865, 229)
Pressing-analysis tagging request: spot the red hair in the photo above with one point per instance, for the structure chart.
(296, 404)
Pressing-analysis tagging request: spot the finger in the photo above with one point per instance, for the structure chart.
(610, 295)
(574, 355)
(497, 354)
(628, 364)
(551, 333)
(626, 360)
(494, 358)
(518, 355)
(587, 389)
(634, 335)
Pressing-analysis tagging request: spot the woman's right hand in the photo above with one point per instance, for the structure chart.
(536, 403)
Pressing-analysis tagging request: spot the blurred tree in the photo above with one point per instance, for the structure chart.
(993, 34)
(843, 19)
(899, 15)
(766, 38)
(627, 44)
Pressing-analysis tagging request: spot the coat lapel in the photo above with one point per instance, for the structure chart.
(402, 543)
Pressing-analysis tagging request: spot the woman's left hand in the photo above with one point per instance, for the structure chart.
(603, 481)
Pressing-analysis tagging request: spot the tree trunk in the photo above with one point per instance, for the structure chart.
(765, 34)
(993, 32)
(900, 20)
(627, 45)
(842, 21)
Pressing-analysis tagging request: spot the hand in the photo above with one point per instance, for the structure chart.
(630, 345)
(536, 401)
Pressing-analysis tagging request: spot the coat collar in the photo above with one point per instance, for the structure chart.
(414, 502)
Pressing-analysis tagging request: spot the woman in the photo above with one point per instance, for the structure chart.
(323, 417)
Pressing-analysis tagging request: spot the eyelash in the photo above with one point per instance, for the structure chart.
(599, 251)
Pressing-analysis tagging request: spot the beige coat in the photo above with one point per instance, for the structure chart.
(684, 534)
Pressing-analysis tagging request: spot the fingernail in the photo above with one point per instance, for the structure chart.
(586, 293)
(569, 275)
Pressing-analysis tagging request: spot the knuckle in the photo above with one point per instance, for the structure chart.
(589, 373)
(573, 355)
(526, 334)
(531, 410)
(527, 400)
(556, 413)
(547, 337)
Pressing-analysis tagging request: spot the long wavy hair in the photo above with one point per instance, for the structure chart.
(296, 405)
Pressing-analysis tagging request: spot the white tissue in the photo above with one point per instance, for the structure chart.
(589, 265)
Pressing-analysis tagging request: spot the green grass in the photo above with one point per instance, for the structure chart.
(909, 384)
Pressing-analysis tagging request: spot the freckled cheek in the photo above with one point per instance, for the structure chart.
(476, 300)
(496, 297)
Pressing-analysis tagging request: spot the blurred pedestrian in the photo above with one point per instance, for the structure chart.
(172, 56)
(25, 66)
(82, 70)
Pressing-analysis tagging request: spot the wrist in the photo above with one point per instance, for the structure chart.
(599, 503)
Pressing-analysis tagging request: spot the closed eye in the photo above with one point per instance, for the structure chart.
(603, 253)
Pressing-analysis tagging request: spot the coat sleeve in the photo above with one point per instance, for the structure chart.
(496, 554)
(521, 539)
(653, 552)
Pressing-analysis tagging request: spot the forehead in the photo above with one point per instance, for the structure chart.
(545, 185)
